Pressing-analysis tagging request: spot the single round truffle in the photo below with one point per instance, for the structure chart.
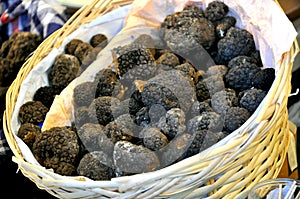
(216, 10)
(96, 165)
(235, 117)
(56, 147)
(153, 138)
(252, 98)
(236, 42)
(64, 69)
(33, 112)
(84, 93)
(206, 121)
(99, 40)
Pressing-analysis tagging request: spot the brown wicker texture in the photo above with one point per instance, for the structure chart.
(253, 153)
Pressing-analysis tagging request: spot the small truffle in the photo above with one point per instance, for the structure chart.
(96, 165)
(27, 132)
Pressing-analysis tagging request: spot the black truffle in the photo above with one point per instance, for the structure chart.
(153, 138)
(240, 78)
(84, 93)
(33, 112)
(223, 100)
(235, 117)
(57, 148)
(46, 95)
(216, 10)
(251, 99)
(206, 121)
(105, 108)
(173, 123)
(264, 79)
(28, 132)
(96, 165)
(236, 42)
(99, 40)
(131, 158)
(64, 69)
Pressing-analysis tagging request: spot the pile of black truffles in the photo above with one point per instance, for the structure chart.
(66, 67)
(13, 53)
(161, 101)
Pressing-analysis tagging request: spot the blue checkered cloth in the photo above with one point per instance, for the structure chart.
(4, 148)
(37, 16)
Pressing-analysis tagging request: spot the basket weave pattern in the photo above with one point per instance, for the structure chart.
(228, 169)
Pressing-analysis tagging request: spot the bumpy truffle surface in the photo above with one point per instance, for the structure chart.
(251, 99)
(82, 116)
(82, 51)
(8, 71)
(235, 117)
(56, 147)
(236, 42)
(240, 78)
(72, 45)
(223, 100)
(116, 132)
(241, 60)
(64, 69)
(105, 108)
(206, 121)
(96, 165)
(32, 112)
(131, 158)
(224, 24)
(216, 10)
(173, 123)
(131, 58)
(27, 132)
(169, 59)
(171, 89)
(46, 95)
(153, 138)
(264, 79)
(84, 93)
(107, 83)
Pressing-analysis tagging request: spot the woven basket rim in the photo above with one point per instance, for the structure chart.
(186, 167)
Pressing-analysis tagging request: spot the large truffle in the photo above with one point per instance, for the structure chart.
(84, 93)
(57, 148)
(171, 89)
(240, 77)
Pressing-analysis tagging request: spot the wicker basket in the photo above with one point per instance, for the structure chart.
(253, 153)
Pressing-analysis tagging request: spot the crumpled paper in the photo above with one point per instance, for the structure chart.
(273, 33)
